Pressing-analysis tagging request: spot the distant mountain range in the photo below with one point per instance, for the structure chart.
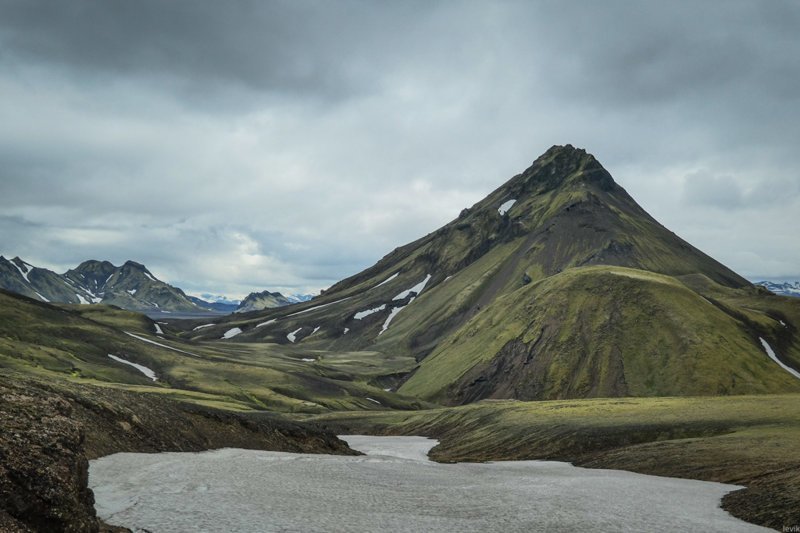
(131, 286)
(783, 288)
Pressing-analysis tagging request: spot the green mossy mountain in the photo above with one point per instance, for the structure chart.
(556, 285)
(131, 286)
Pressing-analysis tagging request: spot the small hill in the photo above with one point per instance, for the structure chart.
(258, 301)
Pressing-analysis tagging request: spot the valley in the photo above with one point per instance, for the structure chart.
(554, 319)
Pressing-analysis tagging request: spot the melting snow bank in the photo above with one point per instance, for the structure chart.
(363, 314)
(771, 354)
(141, 368)
(293, 335)
(392, 488)
(231, 333)
(503, 209)
(143, 339)
(416, 289)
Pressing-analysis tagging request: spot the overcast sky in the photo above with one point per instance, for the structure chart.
(238, 146)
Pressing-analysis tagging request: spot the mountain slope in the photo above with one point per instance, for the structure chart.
(130, 286)
(257, 301)
(538, 237)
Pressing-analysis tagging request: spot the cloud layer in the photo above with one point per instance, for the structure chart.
(246, 145)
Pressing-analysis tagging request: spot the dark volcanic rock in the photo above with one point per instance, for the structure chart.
(49, 430)
(44, 473)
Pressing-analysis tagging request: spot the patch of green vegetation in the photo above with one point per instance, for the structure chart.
(599, 331)
(748, 440)
(61, 343)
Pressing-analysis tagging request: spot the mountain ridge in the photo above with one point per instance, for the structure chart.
(563, 214)
(130, 286)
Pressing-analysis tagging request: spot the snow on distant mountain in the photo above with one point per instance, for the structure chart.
(217, 298)
(130, 286)
(783, 288)
(299, 298)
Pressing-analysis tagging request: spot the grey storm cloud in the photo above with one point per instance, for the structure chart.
(234, 146)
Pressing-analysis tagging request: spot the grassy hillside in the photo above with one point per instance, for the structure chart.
(748, 440)
(75, 343)
(607, 331)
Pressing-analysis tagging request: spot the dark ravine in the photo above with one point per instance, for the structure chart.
(52, 429)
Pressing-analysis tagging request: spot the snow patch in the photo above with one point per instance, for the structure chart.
(318, 307)
(203, 326)
(42, 297)
(268, 322)
(781, 321)
(774, 357)
(231, 333)
(107, 279)
(293, 335)
(81, 299)
(308, 359)
(24, 273)
(374, 400)
(141, 368)
(316, 329)
(346, 330)
(418, 288)
(132, 291)
(387, 280)
(503, 209)
(391, 316)
(143, 339)
(362, 314)
(158, 329)
(151, 278)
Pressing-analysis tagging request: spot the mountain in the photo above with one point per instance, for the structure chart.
(130, 286)
(556, 285)
(257, 301)
(783, 288)
(299, 298)
(218, 306)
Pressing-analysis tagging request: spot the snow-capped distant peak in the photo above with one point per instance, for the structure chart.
(24, 269)
(783, 288)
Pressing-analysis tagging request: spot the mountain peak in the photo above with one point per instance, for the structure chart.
(562, 165)
(133, 264)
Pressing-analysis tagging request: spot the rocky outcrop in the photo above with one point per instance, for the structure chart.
(49, 430)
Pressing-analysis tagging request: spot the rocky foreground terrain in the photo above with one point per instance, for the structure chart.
(51, 430)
